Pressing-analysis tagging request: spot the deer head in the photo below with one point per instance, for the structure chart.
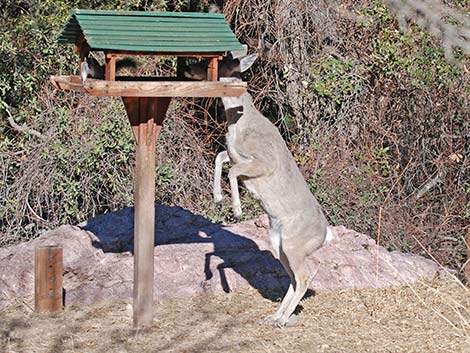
(229, 66)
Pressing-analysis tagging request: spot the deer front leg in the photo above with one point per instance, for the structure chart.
(221, 158)
(250, 169)
(236, 205)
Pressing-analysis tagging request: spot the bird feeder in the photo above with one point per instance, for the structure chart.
(135, 33)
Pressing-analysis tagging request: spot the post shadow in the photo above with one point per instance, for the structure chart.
(175, 225)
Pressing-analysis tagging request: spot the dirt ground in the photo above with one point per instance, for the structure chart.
(430, 316)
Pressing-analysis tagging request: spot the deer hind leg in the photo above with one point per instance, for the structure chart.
(221, 158)
(274, 318)
(296, 261)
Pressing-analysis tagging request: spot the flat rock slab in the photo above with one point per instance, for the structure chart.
(194, 255)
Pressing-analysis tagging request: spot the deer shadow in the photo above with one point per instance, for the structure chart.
(175, 225)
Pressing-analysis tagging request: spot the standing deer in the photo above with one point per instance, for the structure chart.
(260, 158)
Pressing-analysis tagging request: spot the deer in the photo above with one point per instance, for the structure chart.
(261, 160)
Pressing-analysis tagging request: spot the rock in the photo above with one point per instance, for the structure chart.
(194, 255)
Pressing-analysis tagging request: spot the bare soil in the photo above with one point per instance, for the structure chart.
(431, 316)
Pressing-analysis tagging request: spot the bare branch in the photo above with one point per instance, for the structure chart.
(23, 129)
(34, 214)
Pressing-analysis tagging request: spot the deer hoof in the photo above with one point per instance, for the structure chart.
(217, 199)
(270, 319)
(292, 321)
(280, 322)
(237, 212)
(237, 216)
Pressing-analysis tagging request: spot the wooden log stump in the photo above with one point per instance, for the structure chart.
(48, 279)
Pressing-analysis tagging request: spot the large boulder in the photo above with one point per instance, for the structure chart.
(194, 255)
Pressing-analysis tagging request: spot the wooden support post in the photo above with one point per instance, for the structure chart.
(180, 66)
(212, 69)
(146, 116)
(110, 67)
(48, 279)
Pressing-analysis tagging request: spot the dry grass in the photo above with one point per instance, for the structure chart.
(428, 317)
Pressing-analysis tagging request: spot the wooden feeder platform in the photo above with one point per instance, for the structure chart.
(148, 87)
(134, 33)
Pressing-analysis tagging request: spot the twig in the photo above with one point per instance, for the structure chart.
(379, 225)
(35, 215)
(431, 256)
(27, 305)
(23, 129)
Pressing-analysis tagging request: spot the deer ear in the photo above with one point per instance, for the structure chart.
(237, 54)
(247, 61)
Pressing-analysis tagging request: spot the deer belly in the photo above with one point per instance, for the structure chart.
(251, 186)
(259, 194)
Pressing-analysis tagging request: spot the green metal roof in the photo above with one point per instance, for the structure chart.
(139, 31)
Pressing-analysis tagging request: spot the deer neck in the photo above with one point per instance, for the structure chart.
(238, 107)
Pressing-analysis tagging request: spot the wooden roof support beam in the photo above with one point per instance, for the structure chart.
(212, 69)
(110, 67)
(180, 66)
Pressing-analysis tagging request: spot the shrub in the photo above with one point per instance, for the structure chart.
(376, 118)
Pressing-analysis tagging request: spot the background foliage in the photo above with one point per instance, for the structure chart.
(376, 117)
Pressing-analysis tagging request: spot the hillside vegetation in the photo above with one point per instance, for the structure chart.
(376, 116)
